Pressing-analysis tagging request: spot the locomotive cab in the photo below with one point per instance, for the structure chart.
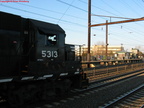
(52, 55)
(48, 48)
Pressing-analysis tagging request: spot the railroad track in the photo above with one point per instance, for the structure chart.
(131, 99)
(95, 87)
(108, 81)
(79, 93)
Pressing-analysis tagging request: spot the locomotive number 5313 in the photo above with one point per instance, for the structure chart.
(49, 54)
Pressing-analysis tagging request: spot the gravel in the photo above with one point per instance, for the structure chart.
(97, 98)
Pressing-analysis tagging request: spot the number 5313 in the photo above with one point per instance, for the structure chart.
(49, 54)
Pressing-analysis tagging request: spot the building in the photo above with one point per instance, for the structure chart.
(98, 52)
(135, 53)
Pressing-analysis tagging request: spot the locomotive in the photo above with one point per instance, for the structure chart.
(35, 62)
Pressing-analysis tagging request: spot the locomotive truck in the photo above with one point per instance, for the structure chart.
(35, 62)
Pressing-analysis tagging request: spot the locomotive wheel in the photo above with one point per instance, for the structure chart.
(63, 87)
(46, 92)
(15, 98)
(31, 93)
(18, 96)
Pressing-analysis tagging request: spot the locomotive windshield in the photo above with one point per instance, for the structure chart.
(51, 39)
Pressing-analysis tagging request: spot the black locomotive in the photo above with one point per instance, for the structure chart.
(35, 62)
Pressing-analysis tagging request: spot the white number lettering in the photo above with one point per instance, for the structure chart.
(43, 53)
(52, 53)
(55, 54)
(49, 54)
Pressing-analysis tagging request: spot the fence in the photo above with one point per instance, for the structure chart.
(98, 73)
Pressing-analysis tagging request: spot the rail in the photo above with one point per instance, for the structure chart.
(122, 97)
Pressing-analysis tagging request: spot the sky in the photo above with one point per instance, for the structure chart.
(72, 16)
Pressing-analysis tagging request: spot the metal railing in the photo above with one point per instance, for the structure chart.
(97, 73)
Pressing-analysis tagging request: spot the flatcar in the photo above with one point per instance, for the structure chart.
(35, 62)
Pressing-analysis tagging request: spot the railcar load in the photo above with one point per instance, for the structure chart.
(35, 62)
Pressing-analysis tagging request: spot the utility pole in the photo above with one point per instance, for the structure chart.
(106, 39)
(89, 29)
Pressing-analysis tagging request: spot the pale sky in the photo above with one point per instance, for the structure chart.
(71, 15)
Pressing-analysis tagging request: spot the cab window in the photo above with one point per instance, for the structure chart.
(51, 39)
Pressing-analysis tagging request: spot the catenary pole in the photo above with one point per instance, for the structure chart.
(106, 39)
(89, 29)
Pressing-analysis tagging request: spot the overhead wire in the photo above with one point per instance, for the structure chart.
(97, 7)
(126, 4)
(72, 6)
(75, 6)
(128, 30)
(65, 11)
(121, 40)
(112, 8)
(42, 15)
(138, 4)
(130, 39)
(50, 11)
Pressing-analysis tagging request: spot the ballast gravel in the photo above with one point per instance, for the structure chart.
(98, 97)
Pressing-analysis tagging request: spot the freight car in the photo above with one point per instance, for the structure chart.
(35, 62)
